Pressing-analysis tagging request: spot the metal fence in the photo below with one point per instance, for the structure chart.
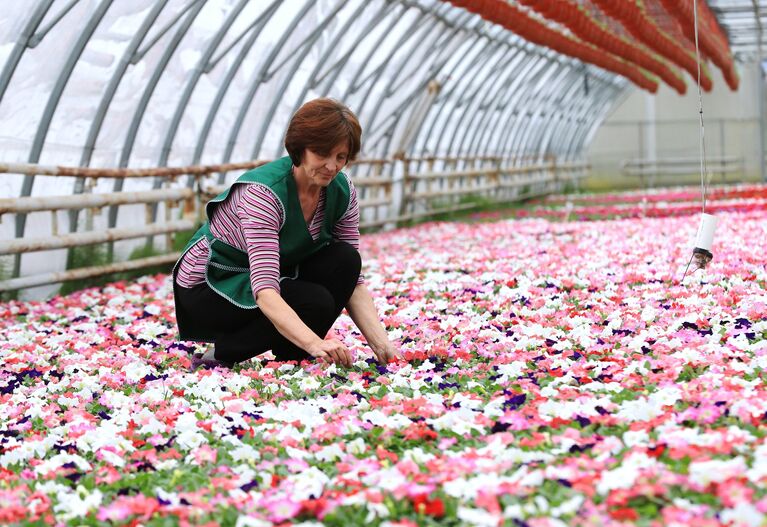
(668, 152)
(390, 191)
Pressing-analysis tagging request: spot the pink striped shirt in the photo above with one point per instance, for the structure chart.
(250, 219)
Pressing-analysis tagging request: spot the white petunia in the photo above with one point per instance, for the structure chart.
(249, 521)
(478, 517)
(329, 453)
(308, 484)
(758, 470)
(378, 418)
(743, 514)
(511, 371)
(460, 421)
(135, 371)
(309, 384)
(716, 470)
(190, 440)
(57, 461)
(25, 450)
(356, 446)
(244, 452)
(71, 505)
(568, 507)
(624, 476)
(635, 438)
(417, 455)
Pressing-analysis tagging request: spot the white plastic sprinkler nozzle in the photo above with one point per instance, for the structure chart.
(701, 254)
(705, 237)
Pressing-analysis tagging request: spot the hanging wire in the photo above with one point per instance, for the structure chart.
(704, 180)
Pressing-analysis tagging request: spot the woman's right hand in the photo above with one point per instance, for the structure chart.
(331, 350)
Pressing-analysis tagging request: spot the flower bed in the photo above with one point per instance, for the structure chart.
(689, 194)
(658, 203)
(557, 374)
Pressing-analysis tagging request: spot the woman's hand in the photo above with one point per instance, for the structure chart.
(386, 353)
(331, 350)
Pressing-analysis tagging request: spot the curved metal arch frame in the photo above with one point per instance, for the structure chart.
(444, 96)
(404, 105)
(245, 49)
(602, 92)
(260, 76)
(560, 121)
(605, 93)
(506, 117)
(186, 95)
(576, 117)
(338, 66)
(541, 101)
(572, 119)
(106, 99)
(473, 99)
(436, 68)
(489, 102)
(25, 38)
(379, 71)
(583, 135)
(497, 54)
(536, 113)
(385, 11)
(298, 59)
(506, 97)
(536, 66)
(493, 109)
(538, 119)
(455, 39)
(50, 109)
(191, 83)
(423, 85)
(527, 104)
(138, 115)
(429, 28)
(354, 84)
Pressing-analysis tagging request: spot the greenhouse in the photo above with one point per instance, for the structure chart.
(383, 262)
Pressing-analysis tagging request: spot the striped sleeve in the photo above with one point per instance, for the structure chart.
(347, 229)
(191, 268)
(261, 216)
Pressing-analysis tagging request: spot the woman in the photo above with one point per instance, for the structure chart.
(278, 259)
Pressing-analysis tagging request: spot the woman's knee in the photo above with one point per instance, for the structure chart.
(307, 298)
(348, 257)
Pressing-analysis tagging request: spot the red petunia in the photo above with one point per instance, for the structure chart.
(624, 514)
(430, 507)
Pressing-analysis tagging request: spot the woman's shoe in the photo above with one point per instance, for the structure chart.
(208, 363)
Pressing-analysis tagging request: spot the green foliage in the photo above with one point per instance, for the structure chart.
(144, 251)
(465, 209)
(5, 274)
(85, 256)
(98, 255)
(181, 238)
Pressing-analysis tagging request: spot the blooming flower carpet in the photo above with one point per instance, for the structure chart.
(653, 203)
(557, 373)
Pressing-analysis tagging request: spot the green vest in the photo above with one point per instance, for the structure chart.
(228, 270)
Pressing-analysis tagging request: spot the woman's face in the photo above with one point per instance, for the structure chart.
(322, 169)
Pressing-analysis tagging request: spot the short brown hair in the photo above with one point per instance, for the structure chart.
(320, 125)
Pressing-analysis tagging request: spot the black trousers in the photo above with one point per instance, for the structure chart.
(325, 282)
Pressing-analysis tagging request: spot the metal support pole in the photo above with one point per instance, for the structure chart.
(760, 95)
(650, 135)
(721, 151)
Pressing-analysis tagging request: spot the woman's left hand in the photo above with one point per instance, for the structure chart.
(386, 353)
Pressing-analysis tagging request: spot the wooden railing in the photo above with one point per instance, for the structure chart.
(389, 191)
(649, 171)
